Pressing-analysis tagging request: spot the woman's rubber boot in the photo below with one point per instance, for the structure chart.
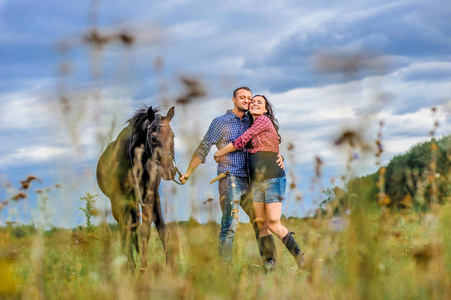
(294, 249)
(268, 252)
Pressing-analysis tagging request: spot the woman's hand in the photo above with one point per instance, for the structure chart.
(218, 159)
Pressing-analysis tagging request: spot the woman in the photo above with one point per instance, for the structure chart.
(268, 179)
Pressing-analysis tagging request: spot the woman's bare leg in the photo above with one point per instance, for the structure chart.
(273, 214)
(260, 215)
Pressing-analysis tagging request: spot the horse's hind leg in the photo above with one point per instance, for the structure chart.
(163, 232)
(127, 219)
(144, 235)
(126, 228)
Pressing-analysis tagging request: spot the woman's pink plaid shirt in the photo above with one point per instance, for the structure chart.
(262, 134)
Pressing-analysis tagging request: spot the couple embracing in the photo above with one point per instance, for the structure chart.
(255, 177)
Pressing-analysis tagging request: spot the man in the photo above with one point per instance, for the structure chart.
(233, 189)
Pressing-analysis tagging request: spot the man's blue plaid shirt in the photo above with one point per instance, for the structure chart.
(224, 130)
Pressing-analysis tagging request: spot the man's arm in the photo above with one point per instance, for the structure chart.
(279, 161)
(211, 137)
(193, 164)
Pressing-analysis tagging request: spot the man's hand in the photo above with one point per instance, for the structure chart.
(184, 178)
(279, 161)
(193, 164)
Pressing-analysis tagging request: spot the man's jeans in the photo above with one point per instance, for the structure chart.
(234, 192)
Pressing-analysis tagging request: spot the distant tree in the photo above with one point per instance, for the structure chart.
(409, 176)
(362, 191)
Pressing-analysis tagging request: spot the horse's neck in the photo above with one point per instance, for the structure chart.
(137, 149)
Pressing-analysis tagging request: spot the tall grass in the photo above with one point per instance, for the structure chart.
(401, 256)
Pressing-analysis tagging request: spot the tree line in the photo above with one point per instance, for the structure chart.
(416, 179)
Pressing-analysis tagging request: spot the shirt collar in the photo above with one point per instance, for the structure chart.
(232, 115)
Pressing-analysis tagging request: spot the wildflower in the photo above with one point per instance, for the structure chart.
(126, 38)
(26, 183)
(208, 200)
(318, 164)
(95, 212)
(347, 136)
(19, 196)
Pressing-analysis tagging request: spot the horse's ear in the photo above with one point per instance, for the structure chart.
(170, 114)
(150, 114)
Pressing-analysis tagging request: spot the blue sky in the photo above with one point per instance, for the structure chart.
(327, 67)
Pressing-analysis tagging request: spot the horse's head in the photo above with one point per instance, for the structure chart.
(161, 139)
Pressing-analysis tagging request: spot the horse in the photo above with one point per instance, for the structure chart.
(129, 173)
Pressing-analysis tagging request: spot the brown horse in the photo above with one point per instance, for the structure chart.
(129, 174)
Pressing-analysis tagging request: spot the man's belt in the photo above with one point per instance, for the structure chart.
(220, 176)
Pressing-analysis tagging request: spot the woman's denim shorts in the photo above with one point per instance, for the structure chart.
(269, 190)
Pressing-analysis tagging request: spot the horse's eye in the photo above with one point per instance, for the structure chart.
(153, 139)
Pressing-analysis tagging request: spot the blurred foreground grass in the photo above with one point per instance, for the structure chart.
(369, 254)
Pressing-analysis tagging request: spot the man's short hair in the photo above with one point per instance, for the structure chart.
(241, 88)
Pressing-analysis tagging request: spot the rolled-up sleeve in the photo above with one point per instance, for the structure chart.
(261, 124)
(212, 137)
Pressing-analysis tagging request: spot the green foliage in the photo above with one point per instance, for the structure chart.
(89, 209)
(335, 203)
(409, 178)
(50, 232)
(411, 175)
(365, 188)
(21, 231)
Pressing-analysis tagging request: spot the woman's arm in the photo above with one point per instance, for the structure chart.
(261, 124)
(225, 150)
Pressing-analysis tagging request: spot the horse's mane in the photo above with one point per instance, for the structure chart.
(140, 117)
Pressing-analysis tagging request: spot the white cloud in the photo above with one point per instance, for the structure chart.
(38, 131)
(30, 154)
(23, 110)
(194, 30)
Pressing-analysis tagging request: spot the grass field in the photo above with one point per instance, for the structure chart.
(375, 255)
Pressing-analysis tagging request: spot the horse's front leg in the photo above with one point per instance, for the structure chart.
(144, 234)
(163, 233)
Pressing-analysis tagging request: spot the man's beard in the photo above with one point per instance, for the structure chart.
(243, 109)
